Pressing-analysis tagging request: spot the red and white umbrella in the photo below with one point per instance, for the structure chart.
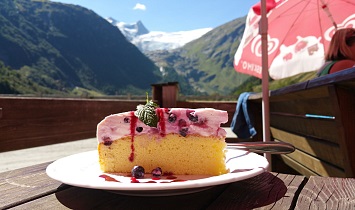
(283, 38)
(298, 34)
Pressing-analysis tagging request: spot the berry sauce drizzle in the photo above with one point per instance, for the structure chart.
(108, 178)
(169, 179)
(162, 121)
(133, 125)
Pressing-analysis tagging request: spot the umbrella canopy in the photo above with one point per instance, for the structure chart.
(298, 34)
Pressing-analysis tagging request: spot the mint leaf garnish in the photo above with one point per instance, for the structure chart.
(146, 113)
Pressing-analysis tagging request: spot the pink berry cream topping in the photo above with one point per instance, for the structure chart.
(182, 121)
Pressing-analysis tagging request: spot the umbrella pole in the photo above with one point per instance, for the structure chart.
(265, 79)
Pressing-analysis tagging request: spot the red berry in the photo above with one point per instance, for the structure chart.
(157, 172)
(107, 140)
(182, 123)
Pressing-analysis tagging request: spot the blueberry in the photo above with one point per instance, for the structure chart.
(126, 120)
(107, 141)
(183, 131)
(172, 118)
(139, 129)
(191, 115)
(157, 172)
(138, 172)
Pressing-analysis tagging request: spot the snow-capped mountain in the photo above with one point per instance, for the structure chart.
(147, 41)
(158, 40)
(130, 31)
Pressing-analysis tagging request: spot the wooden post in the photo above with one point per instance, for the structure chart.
(165, 94)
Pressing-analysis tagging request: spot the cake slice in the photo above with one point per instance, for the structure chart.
(178, 140)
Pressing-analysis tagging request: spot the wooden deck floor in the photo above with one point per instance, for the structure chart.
(27, 157)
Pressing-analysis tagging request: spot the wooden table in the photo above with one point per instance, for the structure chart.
(31, 188)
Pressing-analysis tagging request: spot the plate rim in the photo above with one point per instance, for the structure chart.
(189, 184)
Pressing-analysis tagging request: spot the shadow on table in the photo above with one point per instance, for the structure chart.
(259, 191)
(82, 198)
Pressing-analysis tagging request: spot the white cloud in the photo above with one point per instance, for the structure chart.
(139, 7)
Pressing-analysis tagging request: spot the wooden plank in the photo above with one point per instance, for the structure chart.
(264, 191)
(327, 193)
(290, 93)
(320, 167)
(294, 185)
(318, 106)
(71, 198)
(317, 128)
(323, 150)
(31, 122)
(297, 166)
(22, 185)
(289, 89)
(345, 77)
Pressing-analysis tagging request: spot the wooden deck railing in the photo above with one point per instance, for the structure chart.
(27, 122)
(31, 122)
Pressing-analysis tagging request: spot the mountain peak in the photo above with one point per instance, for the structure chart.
(129, 30)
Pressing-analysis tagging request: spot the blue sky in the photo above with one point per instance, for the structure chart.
(169, 15)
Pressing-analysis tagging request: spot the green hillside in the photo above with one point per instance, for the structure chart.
(66, 47)
(207, 63)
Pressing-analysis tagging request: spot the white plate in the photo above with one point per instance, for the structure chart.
(82, 170)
